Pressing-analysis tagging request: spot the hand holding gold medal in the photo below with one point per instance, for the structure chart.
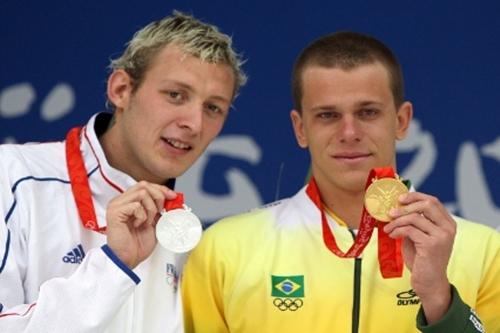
(178, 229)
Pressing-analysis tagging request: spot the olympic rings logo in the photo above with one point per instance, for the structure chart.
(288, 303)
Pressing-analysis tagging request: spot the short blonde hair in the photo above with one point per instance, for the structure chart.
(194, 37)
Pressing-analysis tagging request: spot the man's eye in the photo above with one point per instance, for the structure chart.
(327, 115)
(214, 109)
(175, 96)
(368, 113)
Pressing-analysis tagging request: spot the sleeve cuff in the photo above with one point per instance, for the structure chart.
(114, 258)
(458, 318)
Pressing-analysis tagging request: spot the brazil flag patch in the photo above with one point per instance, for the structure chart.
(287, 286)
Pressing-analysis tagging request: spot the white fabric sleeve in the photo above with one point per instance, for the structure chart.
(86, 301)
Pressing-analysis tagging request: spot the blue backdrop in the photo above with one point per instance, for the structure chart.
(54, 54)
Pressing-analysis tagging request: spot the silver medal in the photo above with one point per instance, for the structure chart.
(178, 230)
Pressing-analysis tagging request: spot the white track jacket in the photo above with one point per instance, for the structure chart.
(56, 275)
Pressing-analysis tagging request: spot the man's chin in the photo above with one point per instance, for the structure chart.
(355, 182)
(175, 171)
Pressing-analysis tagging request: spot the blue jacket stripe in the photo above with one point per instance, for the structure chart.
(11, 209)
(40, 179)
(7, 246)
(111, 255)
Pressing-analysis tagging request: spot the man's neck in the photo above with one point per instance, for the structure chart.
(347, 205)
(113, 148)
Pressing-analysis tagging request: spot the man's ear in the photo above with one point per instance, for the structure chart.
(404, 117)
(298, 128)
(119, 89)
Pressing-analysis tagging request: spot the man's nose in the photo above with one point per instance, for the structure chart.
(192, 118)
(350, 129)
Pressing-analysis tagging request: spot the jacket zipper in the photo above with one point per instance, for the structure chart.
(356, 291)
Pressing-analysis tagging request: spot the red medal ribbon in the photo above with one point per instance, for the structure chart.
(390, 256)
(81, 188)
(176, 203)
(389, 250)
(80, 181)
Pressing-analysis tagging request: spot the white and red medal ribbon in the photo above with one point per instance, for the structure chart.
(389, 250)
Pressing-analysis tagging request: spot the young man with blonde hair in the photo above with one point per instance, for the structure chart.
(78, 251)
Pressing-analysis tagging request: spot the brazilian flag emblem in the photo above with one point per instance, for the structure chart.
(287, 286)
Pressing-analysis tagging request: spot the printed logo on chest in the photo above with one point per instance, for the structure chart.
(406, 298)
(75, 256)
(172, 276)
(288, 292)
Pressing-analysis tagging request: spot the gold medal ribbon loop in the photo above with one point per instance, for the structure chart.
(389, 250)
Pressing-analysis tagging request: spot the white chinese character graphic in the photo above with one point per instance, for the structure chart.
(243, 193)
(17, 100)
(473, 188)
(423, 162)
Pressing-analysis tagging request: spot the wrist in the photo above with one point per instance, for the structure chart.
(437, 303)
(123, 256)
(118, 262)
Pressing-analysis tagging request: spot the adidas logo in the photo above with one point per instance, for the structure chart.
(74, 256)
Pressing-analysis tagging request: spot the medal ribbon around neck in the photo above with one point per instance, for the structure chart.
(80, 181)
(389, 250)
(80, 184)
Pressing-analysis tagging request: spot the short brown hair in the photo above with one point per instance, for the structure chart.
(347, 50)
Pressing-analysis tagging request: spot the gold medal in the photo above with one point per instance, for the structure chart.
(382, 195)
